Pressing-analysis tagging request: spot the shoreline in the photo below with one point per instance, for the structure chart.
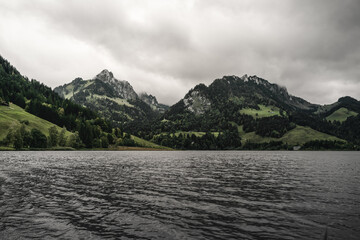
(136, 149)
(120, 148)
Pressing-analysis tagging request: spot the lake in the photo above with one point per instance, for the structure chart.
(179, 195)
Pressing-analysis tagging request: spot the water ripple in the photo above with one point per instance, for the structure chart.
(179, 195)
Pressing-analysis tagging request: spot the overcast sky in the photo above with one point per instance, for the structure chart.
(167, 47)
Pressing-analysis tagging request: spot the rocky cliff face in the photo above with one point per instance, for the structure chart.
(122, 88)
(196, 102)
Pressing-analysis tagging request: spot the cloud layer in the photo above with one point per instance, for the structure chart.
(166, 47)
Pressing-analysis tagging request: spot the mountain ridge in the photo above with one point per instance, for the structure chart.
(232, 112)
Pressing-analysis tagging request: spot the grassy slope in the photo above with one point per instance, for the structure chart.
(197, 134)
(94, 100)
(265, 111)
(125, 148)
(119, 101)
(341, 115)
(296, 136)
(147, 144)
(10, 117)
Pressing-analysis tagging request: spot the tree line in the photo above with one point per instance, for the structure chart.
(22, 138)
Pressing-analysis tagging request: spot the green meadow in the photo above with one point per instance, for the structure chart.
(12, 116)
(341, 115)
(264, 111)
(147, 144)
(297, 136)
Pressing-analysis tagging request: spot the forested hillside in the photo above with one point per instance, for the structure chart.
(89, 130)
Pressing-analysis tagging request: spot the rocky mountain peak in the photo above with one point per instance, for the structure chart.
(245, 78)
(105, 76)
(123, 88)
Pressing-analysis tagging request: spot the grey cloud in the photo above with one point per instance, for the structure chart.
(166, 47)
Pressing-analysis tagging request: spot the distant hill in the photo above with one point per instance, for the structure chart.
(112, 98)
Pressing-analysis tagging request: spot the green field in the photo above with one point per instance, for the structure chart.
(296, 136)
(148, 144)
(341, 115)
(10, 118)
(6, 148)
(197, 134)
(265, 111)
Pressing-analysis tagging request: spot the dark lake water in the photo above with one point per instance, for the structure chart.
(179, 195)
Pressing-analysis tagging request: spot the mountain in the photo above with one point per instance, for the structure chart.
(231, 95)
(244, 92)
(257, 112)
(40, 101)
(231, 113)
(112, 98)
(34, 116)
